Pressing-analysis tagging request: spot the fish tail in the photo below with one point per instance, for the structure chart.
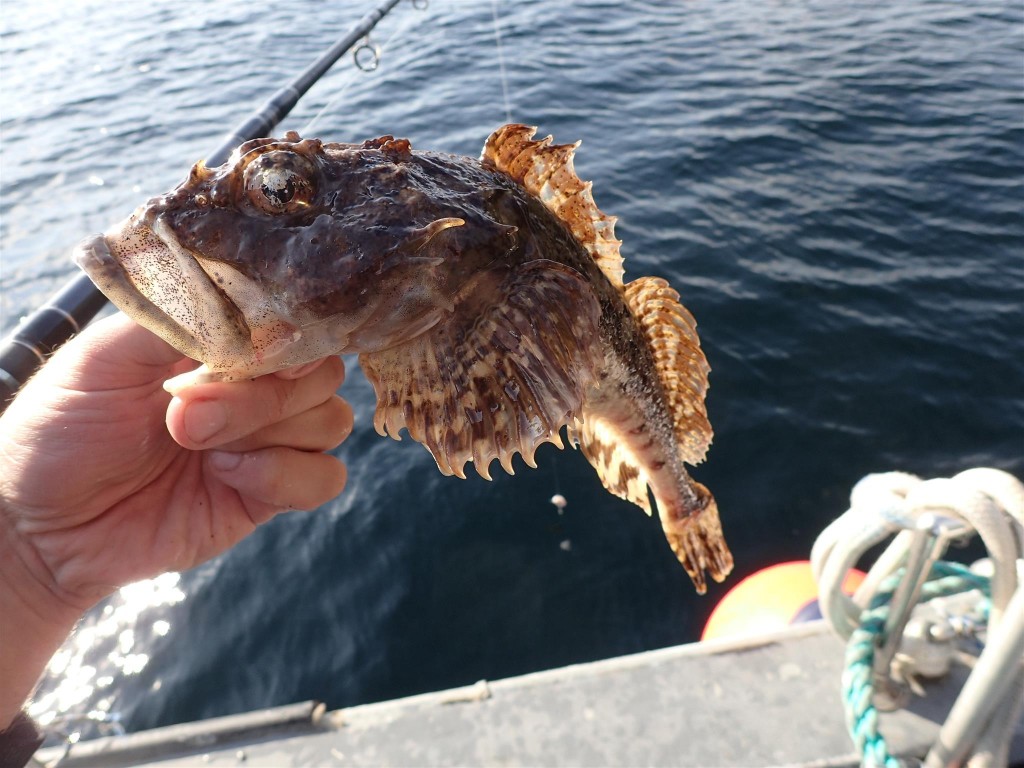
(695, 534)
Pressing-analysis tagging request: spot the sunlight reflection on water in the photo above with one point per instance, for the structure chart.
(106, 640)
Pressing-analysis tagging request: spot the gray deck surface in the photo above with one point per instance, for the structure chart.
(769, 701)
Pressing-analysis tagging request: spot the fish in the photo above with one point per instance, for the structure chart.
(484, 298)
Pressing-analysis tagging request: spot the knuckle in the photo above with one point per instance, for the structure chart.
(280, 397)
(337, 368)
(330, 375)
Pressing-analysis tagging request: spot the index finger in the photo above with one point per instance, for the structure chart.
(303, 369)
(215, 413)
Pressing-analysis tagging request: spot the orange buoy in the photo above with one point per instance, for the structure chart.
(772, 598)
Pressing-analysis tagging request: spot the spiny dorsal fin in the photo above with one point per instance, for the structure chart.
(671, 333)
(495, 378)
(546, 171)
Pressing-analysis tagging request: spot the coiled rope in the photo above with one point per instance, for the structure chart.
(925, 517)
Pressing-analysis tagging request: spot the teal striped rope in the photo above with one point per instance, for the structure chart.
(858, 677)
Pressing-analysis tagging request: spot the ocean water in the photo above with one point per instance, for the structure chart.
(836, 190)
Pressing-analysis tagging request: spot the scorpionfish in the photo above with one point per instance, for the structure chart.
(485, 299)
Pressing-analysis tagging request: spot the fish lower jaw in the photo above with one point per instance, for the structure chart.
(105, 267)
(93, 256)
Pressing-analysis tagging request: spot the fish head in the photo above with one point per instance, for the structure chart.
(290, 251)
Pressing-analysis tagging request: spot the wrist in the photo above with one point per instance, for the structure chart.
(34, 622)
(19, 741)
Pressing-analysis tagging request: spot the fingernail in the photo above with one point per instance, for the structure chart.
(200, 375)
(204, 419)
(298, 371)
(225, 460)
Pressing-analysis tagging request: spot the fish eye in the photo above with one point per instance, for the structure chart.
(278, 187)
(280, 182)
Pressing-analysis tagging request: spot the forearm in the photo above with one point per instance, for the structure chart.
(33, 625)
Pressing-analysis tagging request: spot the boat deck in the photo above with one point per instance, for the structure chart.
(770, 700)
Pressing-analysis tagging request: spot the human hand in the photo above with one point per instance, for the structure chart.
(99, 492)
(106, 479)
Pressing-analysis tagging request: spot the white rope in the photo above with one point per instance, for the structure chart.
(994, 685)
(964, 499)
(875, 505)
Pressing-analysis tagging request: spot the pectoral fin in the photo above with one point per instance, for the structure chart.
(503, 374)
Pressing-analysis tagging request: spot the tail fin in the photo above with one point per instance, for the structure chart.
(697, 540)
(688, 513)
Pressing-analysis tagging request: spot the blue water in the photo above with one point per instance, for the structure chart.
(836, 189)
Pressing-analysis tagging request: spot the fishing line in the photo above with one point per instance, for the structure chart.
(378, 51)
(501, 61)
(307, 130)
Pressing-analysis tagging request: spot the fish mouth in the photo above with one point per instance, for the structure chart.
(149, 276)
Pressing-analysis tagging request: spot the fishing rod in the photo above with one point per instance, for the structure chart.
(26, 349)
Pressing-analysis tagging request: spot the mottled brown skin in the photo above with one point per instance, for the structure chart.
(369, 200)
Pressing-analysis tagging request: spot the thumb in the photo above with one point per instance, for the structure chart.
(115, 353)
